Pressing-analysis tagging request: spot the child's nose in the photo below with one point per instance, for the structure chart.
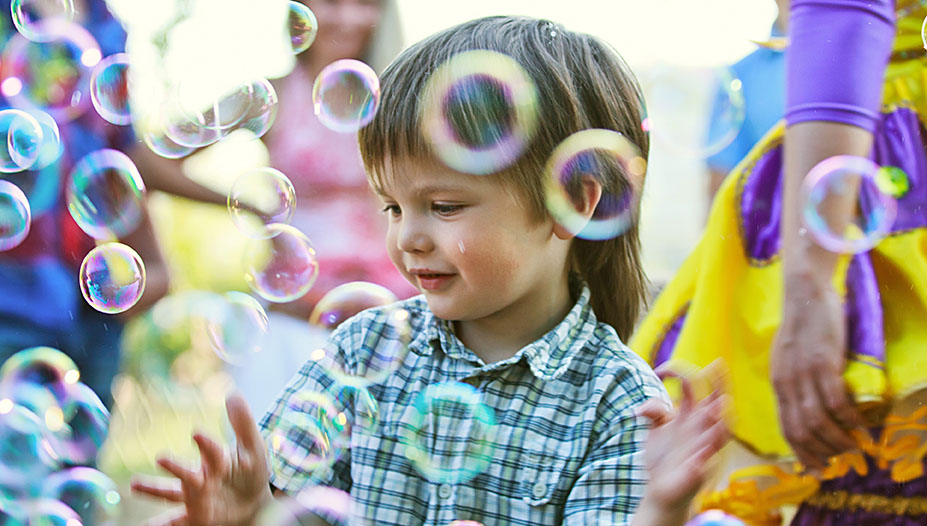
(413, 237)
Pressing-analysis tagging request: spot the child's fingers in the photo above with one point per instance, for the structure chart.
(214, 458)
(656, 411)
(160, 487)
(688, 394)
(246, 431)
(170, 518)
(181, 472)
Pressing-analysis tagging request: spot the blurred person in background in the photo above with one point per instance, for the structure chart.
(40, 298)
(762, 74)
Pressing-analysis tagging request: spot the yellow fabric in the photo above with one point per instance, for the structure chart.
(733, 305)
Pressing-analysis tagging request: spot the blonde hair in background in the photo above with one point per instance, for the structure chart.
(387, 40)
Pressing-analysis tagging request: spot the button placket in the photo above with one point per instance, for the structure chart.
(445, 491)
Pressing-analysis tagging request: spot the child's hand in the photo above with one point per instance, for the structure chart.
(680, 445)
(228, 489)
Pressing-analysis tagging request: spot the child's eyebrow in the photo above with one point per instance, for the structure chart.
(427, 189)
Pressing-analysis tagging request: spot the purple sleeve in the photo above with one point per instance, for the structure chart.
(836, 60)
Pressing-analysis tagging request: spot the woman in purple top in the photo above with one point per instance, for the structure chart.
(828, 353)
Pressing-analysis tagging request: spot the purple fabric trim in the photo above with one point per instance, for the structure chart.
(900, 142)
(761, 206)
(878, 482)
(665, 351)
(863, 307)
(837, 54)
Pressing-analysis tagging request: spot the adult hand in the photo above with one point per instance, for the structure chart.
(807, 363)
(228, 489)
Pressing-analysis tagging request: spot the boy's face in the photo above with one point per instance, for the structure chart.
(468, 244)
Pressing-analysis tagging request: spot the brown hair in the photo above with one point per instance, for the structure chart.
(582, 83)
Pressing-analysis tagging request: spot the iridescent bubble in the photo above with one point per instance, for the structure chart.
(53, 76)
(346, 95)
(25, 452)
(843, 207)
(44, 366)
(23, 136)
(924, 33)
(675, 96)
(28, 14)
(112, 278)
(346, 300)
(358, 411)
(190, 132)
(303, 27)
(84, 426)
(714, 518)
(438, 409)
(109, 89)
(305, 437)
(49, 512)
(50, 149)
(334, 505)
(595, 155)
(263, 110)
(260, 198)
(15, 215)
(238, 328)
(162, 145)
(218, 114)
(371, 366)
(105, 194)
(93, 495)
(40, 399)
(282, 268)
(480, 111)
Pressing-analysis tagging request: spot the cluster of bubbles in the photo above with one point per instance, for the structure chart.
(849, 203)
(51, 425)
(714, 518)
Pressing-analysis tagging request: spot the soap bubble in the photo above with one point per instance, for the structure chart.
(27, 15)
(346, 300)
(305, 437)
(373, 364)
(283, 268)
(105, 194)
(15, 215)
(84, 426)
(53, 76)
(23, 137)
(334, 505)
(480, 111)
(90, 493)
(44, 366)
(850, 184)
(219, 114)
(25, 452)
(346, 95)
(259, 198)
(714, 518)
(112, 278)
(50, 512)
(438, 409)
(263, 110)
(675, 96)
(109, 89)
(158, 142)
(600, 155)
(50, 149)
(237, 328)
(303, 27)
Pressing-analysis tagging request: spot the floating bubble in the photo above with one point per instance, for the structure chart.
(162, 145)
(28, 14)
(23, 136)
(304, 439)
(600, 155)
(282, 268)
(372, 365)
(190, 132)
(52, 76)
(25, 452)
(346, 300)
(237, 328)
(15, 215)
(924, 33)
(50, 149)
(346, 95)
(50, 512)
(303, 27)
(40, 399)
(359, 411)
(714, 518)
(219, 114)
(112, 278)
(45, 366)
(437, 409)
(674, 98)
(260, 198)
(263, 110)
(109, 89)
(480, 111)
(105, 194)
(90, 493)
(83, 429)
(334, 505)
(843, 206)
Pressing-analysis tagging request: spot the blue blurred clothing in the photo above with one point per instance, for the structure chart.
(40, 299)
(762, 74)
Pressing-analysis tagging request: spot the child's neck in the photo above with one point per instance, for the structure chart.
(500, 336)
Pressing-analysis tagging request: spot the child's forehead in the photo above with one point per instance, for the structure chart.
(420, 175)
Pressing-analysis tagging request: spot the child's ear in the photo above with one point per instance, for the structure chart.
(584, 205)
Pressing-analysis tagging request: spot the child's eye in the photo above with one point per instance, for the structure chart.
(444, 209)
(392, 210)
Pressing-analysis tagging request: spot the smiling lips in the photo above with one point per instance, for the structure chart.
(429, 279)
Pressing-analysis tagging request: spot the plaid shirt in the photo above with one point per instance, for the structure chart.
(568, 445)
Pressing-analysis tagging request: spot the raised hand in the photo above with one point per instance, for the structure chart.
(227, 489)
(681, 444)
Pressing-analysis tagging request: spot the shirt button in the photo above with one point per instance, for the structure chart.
(444, 491)
(539, 490)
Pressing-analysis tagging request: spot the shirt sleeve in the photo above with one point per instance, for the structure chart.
(613, 477)
(836, 59)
